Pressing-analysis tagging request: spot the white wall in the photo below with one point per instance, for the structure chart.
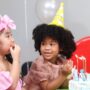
(77, 16)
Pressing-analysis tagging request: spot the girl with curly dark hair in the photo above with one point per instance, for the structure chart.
(55, 45)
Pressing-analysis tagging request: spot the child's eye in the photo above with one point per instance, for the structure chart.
(42, 43)
(7, 36)
(52, 44)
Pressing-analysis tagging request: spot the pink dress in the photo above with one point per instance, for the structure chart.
(6, 81)
(41, 71)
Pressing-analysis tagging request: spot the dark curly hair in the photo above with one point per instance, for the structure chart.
(63, 36)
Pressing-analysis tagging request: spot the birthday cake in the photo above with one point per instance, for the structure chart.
(79, 85)
(80, 81)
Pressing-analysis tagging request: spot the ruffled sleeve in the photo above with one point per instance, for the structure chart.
(5, 80)
(38, 72)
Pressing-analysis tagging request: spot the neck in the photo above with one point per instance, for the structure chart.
(54, 61)
(2, 58)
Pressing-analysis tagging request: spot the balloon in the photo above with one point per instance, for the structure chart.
(46, 9)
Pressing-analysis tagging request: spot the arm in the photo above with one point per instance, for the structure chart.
(46, 85)
(15, 68)
(25, 87)
(56, 83)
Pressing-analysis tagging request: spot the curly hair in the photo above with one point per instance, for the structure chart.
(63, 36)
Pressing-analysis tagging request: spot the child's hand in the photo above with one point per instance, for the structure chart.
(15, 52)
(67, 68)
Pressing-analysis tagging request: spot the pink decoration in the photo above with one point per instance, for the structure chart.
(6, 22)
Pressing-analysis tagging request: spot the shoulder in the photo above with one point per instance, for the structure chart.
(5, 77)
(37, 72)
(6, 80)
(38, 61)
(39, 65)
(5, 74)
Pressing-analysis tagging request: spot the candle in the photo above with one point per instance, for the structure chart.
(84, 62)
(84, 59)
(77, 61)
(85, 66)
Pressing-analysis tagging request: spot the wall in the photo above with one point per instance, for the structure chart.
(77, 16)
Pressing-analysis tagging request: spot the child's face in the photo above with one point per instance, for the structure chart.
(49, 49)
(6, 41)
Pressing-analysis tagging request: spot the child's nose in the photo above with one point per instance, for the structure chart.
(12, 39)
(48, 47)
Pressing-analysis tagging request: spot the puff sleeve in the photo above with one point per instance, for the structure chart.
(38, 72)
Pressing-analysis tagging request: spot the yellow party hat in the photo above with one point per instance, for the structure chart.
(59, 17)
